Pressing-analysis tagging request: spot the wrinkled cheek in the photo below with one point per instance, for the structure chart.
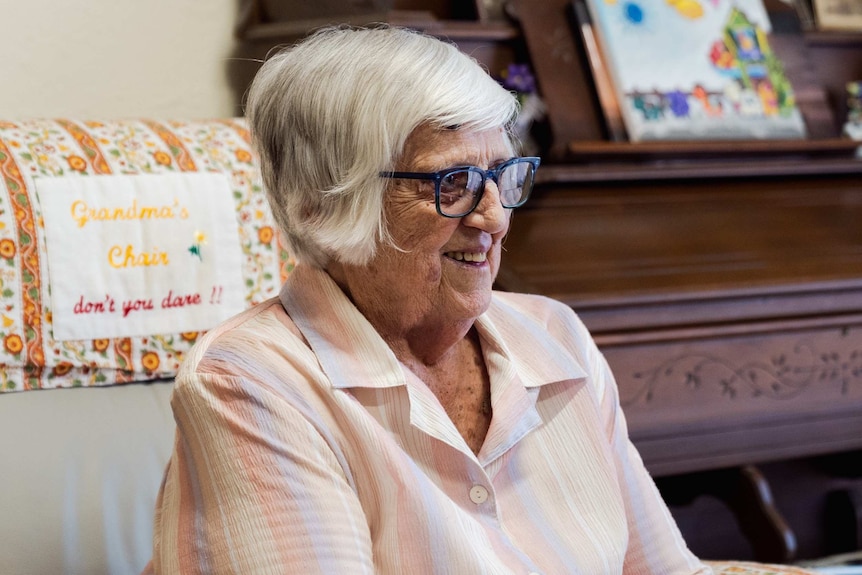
(494, 261)
(433, 274)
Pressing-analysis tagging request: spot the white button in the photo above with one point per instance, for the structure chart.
(478, 494)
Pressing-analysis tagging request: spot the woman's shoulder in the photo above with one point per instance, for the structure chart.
(242, 339)
(533, 307)
(532, 313)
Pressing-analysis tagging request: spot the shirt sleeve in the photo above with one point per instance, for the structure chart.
(254, 487)
(655, 543)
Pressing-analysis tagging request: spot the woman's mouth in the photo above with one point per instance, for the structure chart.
(474, 257)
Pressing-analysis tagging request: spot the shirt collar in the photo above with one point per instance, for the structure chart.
(349, 349)
(523, 338)
(352, 353)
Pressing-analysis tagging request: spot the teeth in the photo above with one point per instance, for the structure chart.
(467, 256)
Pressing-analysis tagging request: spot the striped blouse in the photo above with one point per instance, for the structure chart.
(304, 446)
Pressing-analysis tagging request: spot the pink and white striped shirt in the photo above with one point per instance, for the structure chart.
(304, 446)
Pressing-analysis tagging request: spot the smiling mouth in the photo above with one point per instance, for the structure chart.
(474, 257)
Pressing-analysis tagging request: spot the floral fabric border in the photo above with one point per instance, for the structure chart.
(29, 356)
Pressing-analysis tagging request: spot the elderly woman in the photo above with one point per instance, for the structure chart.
(389, 412)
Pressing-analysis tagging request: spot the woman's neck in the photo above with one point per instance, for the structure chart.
(461, 383)
(426, 342)
(443, 351)
(413, 328)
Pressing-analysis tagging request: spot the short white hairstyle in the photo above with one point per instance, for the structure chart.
(330, 113)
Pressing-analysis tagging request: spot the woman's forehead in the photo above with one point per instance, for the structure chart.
(429, 148)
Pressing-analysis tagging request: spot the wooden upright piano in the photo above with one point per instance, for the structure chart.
(722, 281)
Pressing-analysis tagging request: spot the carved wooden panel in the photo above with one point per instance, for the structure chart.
(730, 400)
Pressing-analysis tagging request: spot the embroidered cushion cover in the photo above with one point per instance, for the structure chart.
(31, 357)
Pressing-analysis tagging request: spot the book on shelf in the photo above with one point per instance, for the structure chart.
(804, 12)
(842, 15)
(490, 10)
(695, 70)
(853, 125)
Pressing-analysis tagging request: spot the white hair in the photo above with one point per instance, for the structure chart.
(330, 113)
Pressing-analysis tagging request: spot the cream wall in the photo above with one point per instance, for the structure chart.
(116, 58)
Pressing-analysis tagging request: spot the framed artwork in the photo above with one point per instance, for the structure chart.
(695, 70)
(491, 10)
(838, 14)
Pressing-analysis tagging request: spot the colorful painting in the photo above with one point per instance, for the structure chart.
(695, 69)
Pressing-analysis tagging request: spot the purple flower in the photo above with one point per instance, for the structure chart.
(678, 102)
(519, 78)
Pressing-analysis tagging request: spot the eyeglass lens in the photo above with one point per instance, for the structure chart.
(460, 189)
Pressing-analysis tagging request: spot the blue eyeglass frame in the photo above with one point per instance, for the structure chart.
(486, 175)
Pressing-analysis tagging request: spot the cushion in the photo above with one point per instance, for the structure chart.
(81, 471)
(31, 357)
(750, 568)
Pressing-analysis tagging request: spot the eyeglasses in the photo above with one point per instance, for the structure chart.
(457, 191)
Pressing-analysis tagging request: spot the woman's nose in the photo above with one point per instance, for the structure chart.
(489, 215)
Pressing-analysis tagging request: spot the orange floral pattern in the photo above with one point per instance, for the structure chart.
(77, 163)
(162, 158)
(150, 361)
(7, 248)
(61, 369)
(264, 234)
(30, 358)
(13, 343)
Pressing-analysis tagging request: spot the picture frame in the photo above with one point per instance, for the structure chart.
(717, 77)
(491, 10)
(602, 83)
(839, 15)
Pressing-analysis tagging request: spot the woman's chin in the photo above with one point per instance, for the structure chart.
(470, 305)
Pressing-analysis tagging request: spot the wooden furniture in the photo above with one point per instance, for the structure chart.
(476, 27)
(730, 308)
(722, 280)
